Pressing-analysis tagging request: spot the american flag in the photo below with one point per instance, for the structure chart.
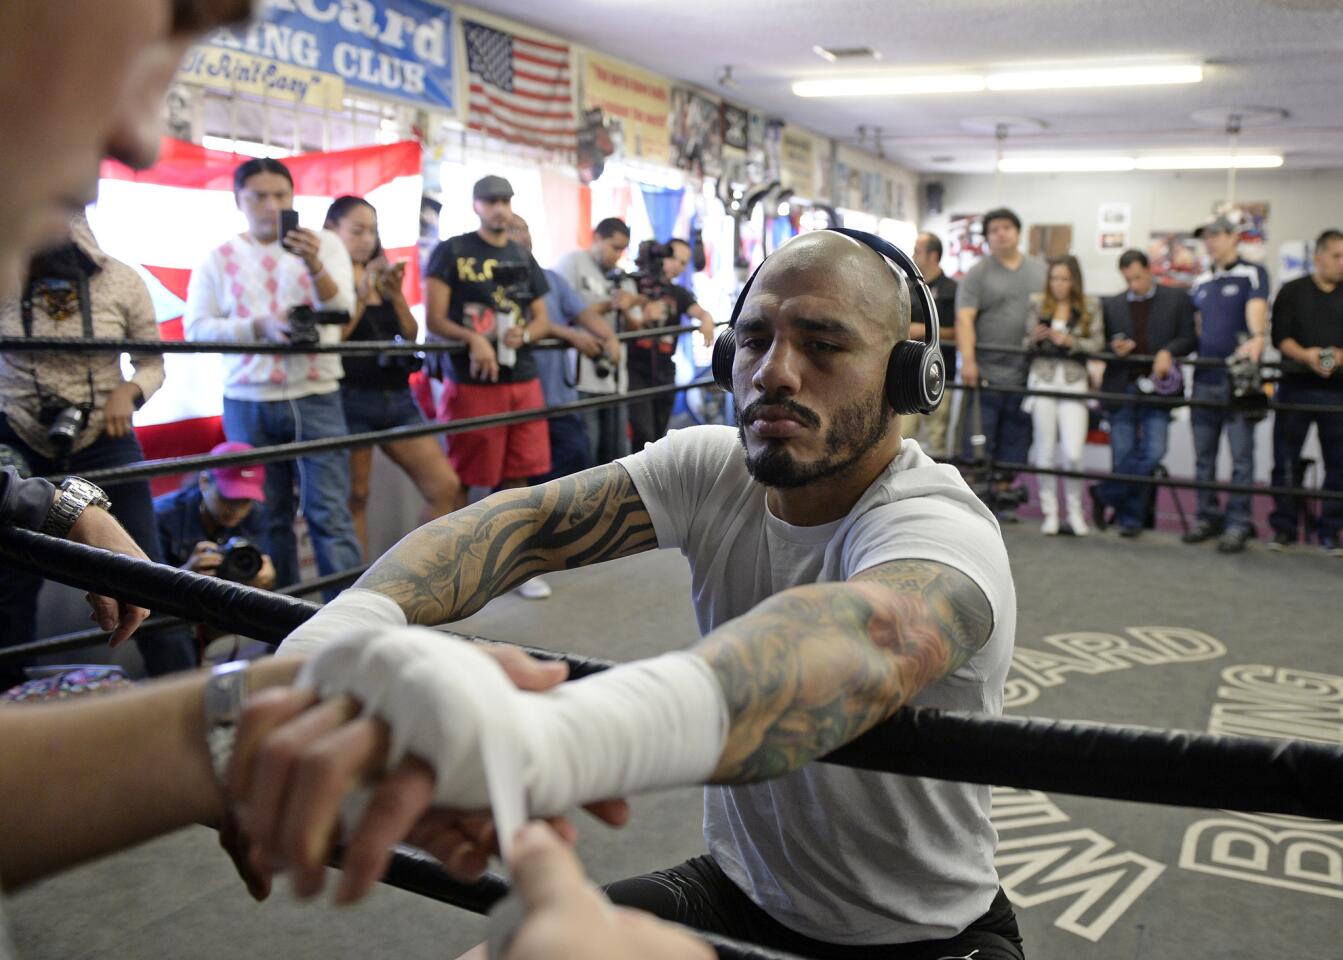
(519, 89)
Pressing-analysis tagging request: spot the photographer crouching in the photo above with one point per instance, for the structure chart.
(70, 413)
(212, 526)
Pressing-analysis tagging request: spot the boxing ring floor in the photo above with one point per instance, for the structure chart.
(1150, 632)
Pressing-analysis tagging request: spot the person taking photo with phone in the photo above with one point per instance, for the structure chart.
(246, 290)
(376, 390)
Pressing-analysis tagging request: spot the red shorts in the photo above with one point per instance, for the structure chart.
(486, 458)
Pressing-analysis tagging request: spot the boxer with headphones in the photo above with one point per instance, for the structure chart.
(837, 574)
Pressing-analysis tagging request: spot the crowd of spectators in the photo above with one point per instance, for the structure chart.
(1133, 349)
(1021, 331)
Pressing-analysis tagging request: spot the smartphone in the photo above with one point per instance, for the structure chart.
(288, 221)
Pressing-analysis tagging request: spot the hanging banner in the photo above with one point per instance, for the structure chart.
(797, 162)
(304, 51)
(635, 105)
(696, 133)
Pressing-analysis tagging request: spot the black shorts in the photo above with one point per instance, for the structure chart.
(698, 894)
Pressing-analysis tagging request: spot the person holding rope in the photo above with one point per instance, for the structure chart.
(838, 575)
(1149, 319)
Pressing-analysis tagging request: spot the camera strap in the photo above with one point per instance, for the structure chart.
(85, 306)
(86, 315)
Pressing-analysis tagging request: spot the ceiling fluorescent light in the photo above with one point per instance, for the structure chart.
(1082, 77)
(889, 86)
(1066, 164)
(1123, 164)
(1225, 161)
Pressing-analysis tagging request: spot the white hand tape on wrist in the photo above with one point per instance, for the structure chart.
(352, 609)
(641, 726)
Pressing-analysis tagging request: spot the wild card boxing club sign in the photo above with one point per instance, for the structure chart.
(309, 50)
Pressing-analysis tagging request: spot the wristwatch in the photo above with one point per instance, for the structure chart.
(225, 691)
(75, 496)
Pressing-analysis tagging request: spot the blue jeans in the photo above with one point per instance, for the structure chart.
(323, 480)
(1138, 437)
(163, 651)
(1208, 424)
(1289, 436)
(570, 450)
(1007, 428)
(370, 409)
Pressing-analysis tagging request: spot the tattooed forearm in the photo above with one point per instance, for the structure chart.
(811, 668)
(450, 568)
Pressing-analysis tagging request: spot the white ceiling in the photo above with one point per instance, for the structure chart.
(1285, 54)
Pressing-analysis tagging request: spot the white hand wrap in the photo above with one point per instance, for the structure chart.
(637, 727)
(355, 609)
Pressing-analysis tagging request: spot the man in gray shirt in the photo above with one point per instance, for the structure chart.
(586, 272)
(991, 308)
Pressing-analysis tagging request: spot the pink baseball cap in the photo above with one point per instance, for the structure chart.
(243, 482)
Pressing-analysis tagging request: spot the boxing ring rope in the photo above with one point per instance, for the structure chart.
(288, 451)
(1124, 762)
(1182, 768)
(84, 638)
(359, 347)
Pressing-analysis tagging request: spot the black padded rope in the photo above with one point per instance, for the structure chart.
(288, 451)
(1177, 767)
(157, 586)
(1150, 399)
(1121, 762)
(353, 347)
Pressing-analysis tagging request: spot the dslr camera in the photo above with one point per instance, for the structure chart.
(1247, 387)
(64, 423)
(515, 278)
(240, 560)
(303, 322)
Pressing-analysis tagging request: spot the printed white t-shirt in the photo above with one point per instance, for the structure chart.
(841, 855)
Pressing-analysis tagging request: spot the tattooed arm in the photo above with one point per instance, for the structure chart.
(450, 568)
(813, 667)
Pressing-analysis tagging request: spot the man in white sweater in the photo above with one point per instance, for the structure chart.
(244, 291)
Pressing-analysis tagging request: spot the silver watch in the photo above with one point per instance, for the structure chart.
(75, 497)
(225, 691)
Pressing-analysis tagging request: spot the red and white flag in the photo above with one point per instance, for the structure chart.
(520, 89)
(164, 221)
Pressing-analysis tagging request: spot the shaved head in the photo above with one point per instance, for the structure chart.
(814, 340)
(863, 280)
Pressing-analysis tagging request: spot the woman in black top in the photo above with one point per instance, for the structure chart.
(375, 389)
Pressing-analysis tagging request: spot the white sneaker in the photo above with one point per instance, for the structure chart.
(1079, 525)
(534, 589)
(1050, 527)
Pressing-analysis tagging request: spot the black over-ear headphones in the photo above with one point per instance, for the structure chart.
(916, 375)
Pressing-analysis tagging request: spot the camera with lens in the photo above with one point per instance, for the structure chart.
(602, 365)
(1328, 359)
(64, 423)
(240, 560)
(516, 279)
(1247, 386)
(304, 320)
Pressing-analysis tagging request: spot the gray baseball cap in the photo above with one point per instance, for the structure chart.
(1220, 225)
(492, 188)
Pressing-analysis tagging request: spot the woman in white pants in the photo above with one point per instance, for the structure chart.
(1062, 324)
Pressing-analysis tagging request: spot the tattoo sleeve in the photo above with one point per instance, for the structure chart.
(813, 667)
(450, 568)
